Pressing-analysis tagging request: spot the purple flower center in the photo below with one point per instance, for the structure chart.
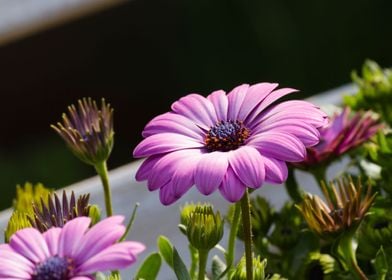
(226, 136)
(53, 268)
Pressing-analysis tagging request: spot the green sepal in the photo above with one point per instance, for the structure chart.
(381, 264)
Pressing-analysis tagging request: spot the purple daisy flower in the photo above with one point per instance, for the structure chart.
(226, 142)
(72, 252)
(344, 132)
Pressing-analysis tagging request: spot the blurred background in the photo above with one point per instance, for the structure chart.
(143, 55)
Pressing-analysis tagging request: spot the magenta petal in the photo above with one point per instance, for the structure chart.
(81, 278)
(236, 97)
(231, 187)
(71, 236)
(164, 143)
(221, 104)
(13, 264)
(268, 100)
(115, 257)
(183, 177)
(173, 123)
(281, 146)
(163, 171)
(255, 95)
(308, 134)
(210, 171)
(145, 168)
(99, 237)
(166, 195)
(197, 108)
(30, 243)
(52, 236)
(275, 170)
(248, 165)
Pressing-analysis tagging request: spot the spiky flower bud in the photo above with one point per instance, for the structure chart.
(88, 131)
(57, 213)
(204, 228)
(318, 266)
(239, 273)
(185, 211)
(17, 221)
(346, 207)
(28, 194)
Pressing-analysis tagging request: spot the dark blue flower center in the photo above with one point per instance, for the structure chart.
(53, 268)
(226, 136)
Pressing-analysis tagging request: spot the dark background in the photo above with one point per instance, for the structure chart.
(143, 55)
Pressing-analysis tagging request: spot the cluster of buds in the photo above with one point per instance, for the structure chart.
(88, 131)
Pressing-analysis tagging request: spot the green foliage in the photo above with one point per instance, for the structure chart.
(179, 267)
(166, 249)
(150, 268)
(374, 90)
(381, 264)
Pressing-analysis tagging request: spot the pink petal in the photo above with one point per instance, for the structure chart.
(219, 100)
(164, 143)
(145, 168)
(173, 123)
(81, 278)
(101, 236)
(52, 236)
(13, 264)
(281, 146)
(254, 96)
(308, 134)
(30, 243)
(115, 257)
(197, 108)
(71, 236)
(267, 101)
(231, 187)
(248, 165)
(210, 171)
(166, 195)
(275, 170)
(236, 97)
(162, 172)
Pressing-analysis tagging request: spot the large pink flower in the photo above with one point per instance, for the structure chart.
(226, 142)
(72, 252)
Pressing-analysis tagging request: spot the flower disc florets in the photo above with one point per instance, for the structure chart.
(226, 136)
(53, 268)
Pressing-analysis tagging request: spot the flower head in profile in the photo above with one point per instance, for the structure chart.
(346, 206)
(72, 252)
(345, 132)
(88, 131)
(226, 142)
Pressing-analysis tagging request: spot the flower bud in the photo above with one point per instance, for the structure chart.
(204, 227)
(17, 221)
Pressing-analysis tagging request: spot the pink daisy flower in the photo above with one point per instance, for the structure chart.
(72, 252)
(226, 142)
(345, 132)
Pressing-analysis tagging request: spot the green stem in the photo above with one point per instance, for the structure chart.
(194, 260)
(203, 256)
(102, 171)
(246, 222)
(346, 255)
(130, 223)
(292, 187)
(233, 234)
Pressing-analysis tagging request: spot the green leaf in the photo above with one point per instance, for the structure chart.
(218, 266)
(381, 264)
(166, 249)
(179, 267)
(150, 267)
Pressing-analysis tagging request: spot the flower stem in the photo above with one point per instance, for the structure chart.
(292, 187)
(130, 223)
(102, 171)
(233, 234)
(203, 256)
(245, 209)
(194, 261)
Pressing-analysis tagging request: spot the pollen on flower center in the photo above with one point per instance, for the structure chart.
(53, 268)
(226, 135)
